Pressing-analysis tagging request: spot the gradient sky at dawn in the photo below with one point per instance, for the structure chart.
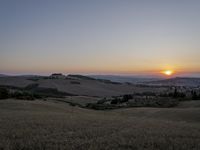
(99, 36)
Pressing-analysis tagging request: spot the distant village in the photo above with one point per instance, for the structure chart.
(57, 76)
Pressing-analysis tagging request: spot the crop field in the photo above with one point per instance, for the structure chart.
(56, 125)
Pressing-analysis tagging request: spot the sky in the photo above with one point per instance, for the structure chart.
(100, 36)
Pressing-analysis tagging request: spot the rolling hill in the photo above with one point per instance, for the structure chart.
(72, 84)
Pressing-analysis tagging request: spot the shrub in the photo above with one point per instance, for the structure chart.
(75, 82)
(4, 94)
(195, 96)
(148, 94)
(31, 86)
(175, 94)
(23, 95)
(33, 79)
(178, 94)
(126, 98)
(102, 101)
(115, 101)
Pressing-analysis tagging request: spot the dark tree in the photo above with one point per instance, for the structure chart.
(175, 93)
(4, 93)
(194, 95)
(127, 97)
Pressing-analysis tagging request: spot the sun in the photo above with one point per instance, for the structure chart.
(168, 72)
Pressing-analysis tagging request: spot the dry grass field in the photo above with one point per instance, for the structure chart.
(39, 125)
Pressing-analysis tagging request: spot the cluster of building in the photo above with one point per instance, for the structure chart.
(57, 76)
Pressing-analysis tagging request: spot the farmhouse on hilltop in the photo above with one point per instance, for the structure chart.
(57, 76)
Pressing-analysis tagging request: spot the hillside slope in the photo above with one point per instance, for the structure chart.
(77, 85)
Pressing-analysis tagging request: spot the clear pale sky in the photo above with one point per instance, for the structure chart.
(99, 36)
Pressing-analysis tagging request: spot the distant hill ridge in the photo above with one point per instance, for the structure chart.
(126, 79)
(177, 81)
(3, 75)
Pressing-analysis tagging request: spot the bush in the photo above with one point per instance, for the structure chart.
(75, 82)
(4, 94)
(178, 94)
(175, 94)
(195, 96)
(126, 98)
(31, 86)
(166, 102)
(33, 79)
(148, 94)
(102, 101)
(23, 95)
(114, 101)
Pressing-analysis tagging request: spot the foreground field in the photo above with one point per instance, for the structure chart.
(56, 125)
